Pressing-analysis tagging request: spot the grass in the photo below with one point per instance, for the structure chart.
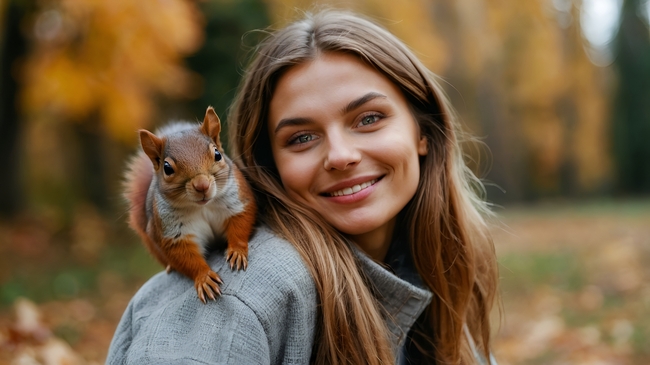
(42, 283)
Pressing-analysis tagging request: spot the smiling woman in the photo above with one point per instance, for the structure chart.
(353, 149)
(359, 165)
(372, 247)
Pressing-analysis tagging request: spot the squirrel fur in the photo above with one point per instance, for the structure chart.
(183, 193)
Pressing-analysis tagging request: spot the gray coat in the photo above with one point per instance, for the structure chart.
(266, 314)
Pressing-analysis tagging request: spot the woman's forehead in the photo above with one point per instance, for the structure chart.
(329, 81)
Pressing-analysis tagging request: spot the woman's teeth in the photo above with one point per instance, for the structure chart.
(355, 189)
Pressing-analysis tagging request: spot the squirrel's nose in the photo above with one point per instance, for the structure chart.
(201, 183)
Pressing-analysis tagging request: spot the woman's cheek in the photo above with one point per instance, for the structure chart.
(296, 174)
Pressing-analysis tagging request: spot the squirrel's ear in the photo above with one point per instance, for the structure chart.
(211, 126)
(152, 147)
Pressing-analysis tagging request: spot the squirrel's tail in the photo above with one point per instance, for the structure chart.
(138, 178)
(137, 182)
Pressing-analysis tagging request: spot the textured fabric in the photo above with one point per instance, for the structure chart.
(265, 315)
(402, 301)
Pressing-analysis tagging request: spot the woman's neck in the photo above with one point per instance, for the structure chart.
(376, 242)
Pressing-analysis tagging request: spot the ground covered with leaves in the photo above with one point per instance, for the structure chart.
(574, 282)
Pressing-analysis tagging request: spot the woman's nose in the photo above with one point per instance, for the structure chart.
(342, 153)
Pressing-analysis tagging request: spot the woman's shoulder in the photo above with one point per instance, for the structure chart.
(265, 314)
(275, 269)
(274, 265)
(276, 276)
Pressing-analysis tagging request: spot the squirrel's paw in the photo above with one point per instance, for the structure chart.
(237, 257)
(208, 285)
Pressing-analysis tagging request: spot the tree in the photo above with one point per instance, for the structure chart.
(13, 49)
(229, 36)
(93, 70)
(631, 121)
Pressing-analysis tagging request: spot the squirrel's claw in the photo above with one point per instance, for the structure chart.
(237, 258)
(208, 284)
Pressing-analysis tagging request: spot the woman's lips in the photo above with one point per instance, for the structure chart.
(351, 186)
(353, 189)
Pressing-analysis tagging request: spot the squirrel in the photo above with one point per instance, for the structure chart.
(183, 193)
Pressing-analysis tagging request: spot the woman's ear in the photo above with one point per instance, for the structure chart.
(423, 146)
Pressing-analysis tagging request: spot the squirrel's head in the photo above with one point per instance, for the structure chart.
(188, 160)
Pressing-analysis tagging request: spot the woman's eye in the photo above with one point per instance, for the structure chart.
(167, 168)
(217, 155)
(303, 138)
(369, 119)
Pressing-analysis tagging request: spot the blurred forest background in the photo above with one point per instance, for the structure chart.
(558, 91)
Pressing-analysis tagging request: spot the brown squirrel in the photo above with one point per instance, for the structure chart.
(193, 194)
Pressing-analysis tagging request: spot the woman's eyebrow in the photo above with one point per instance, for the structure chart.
(362, 100)
(286, 122)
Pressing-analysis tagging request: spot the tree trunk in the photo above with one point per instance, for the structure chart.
(13, 48)
(631, 121)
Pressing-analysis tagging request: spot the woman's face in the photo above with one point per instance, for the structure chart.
(345, 144)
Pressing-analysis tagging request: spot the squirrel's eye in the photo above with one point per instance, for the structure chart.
(217, 155)
(167, 168)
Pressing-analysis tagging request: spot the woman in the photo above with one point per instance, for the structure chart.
(354, 153)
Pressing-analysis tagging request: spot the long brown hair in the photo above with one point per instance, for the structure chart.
(450, 244)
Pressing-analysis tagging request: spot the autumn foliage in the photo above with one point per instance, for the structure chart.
(105, 61)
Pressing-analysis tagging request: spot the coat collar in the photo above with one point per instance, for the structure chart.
(400, 292)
